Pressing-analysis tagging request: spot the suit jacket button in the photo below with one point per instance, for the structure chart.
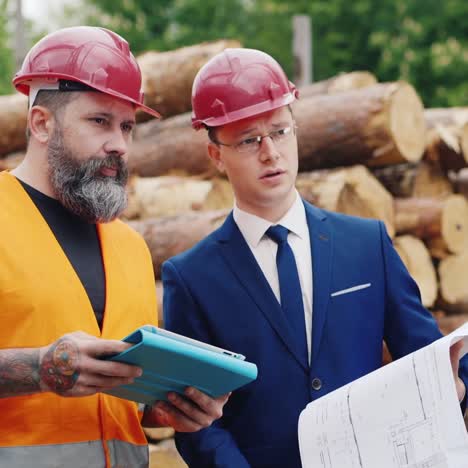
(316, 384)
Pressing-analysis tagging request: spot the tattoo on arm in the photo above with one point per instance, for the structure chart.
(59, 368)
(19, 372)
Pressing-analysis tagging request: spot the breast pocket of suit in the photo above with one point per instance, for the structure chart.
(355, 307)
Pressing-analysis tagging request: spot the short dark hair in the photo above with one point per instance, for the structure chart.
(212, 133)
(54, 100)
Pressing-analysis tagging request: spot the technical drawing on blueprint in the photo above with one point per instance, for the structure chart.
(404, 415)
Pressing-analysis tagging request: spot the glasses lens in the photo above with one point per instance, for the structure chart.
(281, 134)
(249, 145)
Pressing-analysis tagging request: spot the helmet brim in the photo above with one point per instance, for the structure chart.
(22, 87)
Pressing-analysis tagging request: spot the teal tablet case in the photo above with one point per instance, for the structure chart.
(172, 365)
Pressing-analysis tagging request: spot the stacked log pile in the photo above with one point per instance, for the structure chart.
(365, 148)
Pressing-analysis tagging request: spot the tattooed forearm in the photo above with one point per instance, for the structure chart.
(19, 372)
(59, 368)
(23, 372)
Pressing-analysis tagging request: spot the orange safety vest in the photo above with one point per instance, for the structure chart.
(42, 298)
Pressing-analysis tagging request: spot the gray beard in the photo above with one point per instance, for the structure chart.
(79, 187)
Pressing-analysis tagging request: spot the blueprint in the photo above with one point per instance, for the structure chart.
(404, 415)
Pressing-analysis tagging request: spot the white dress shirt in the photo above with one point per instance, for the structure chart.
(264, 250)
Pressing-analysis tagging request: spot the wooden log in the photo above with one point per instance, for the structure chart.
(378, 125)
(12, 160)
(13, 118)
(447, 117)
(453, 287)
(352, 190)
(464, 141)
(173, 150)
(159, 299)
(417, 260)
(168, 76)
(169, 236)
(440, 222)
(155, 434)
(170, 195)
(154, 127)
(381, 124)
(448, 145)
(425, 179)
(338, 83)
(449, 323)
(460, 182)
(165, 454)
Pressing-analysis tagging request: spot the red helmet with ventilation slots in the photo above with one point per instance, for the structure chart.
(92, 56)
(236, 84)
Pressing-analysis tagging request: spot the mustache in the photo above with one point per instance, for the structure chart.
(90, 169)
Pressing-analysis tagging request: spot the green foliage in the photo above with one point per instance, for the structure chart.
(6, 54)
(422, 41)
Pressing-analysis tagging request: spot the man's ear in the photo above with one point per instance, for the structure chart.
(41, 123)
(214, 154)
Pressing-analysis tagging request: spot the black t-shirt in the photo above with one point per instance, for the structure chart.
(80, 242)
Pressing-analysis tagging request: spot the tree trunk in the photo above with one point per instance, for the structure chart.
(153, 197)
(13, 120)
(170, 236)
(453, 293)
(443, 223)
(420, 180)
(417, 260)
(378, 125)
(168, 76)
(339, 83)
(353, 191)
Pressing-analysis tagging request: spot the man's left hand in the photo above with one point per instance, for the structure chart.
(186, 413)
(455, 360)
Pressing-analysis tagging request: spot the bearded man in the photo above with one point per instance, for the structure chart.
(73, 279)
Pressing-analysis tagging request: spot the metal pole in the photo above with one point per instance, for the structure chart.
(302, 49)
(20, 43)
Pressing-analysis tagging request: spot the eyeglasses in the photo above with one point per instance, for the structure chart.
(252, 144)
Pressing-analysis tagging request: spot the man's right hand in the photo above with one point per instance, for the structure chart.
(71, 366)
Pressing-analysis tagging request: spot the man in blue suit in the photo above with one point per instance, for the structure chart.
(235, 288)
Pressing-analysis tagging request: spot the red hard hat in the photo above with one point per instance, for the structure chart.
(236, 84)
(92, 56)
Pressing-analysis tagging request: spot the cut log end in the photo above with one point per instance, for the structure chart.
(351, 190)
(352, 80)
(455, 223)
(453, 292)
(407, 123)
(417, 260)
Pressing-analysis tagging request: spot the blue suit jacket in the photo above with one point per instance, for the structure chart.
(216, 292)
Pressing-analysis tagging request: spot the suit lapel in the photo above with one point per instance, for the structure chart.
(321, 242)
(244, 266)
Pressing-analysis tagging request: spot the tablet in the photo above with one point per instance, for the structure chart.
(172, 362)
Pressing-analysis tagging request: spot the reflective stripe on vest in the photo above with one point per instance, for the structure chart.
(125, 455)
(77, 455)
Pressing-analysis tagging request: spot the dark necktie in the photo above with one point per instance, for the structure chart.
(290, 286)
